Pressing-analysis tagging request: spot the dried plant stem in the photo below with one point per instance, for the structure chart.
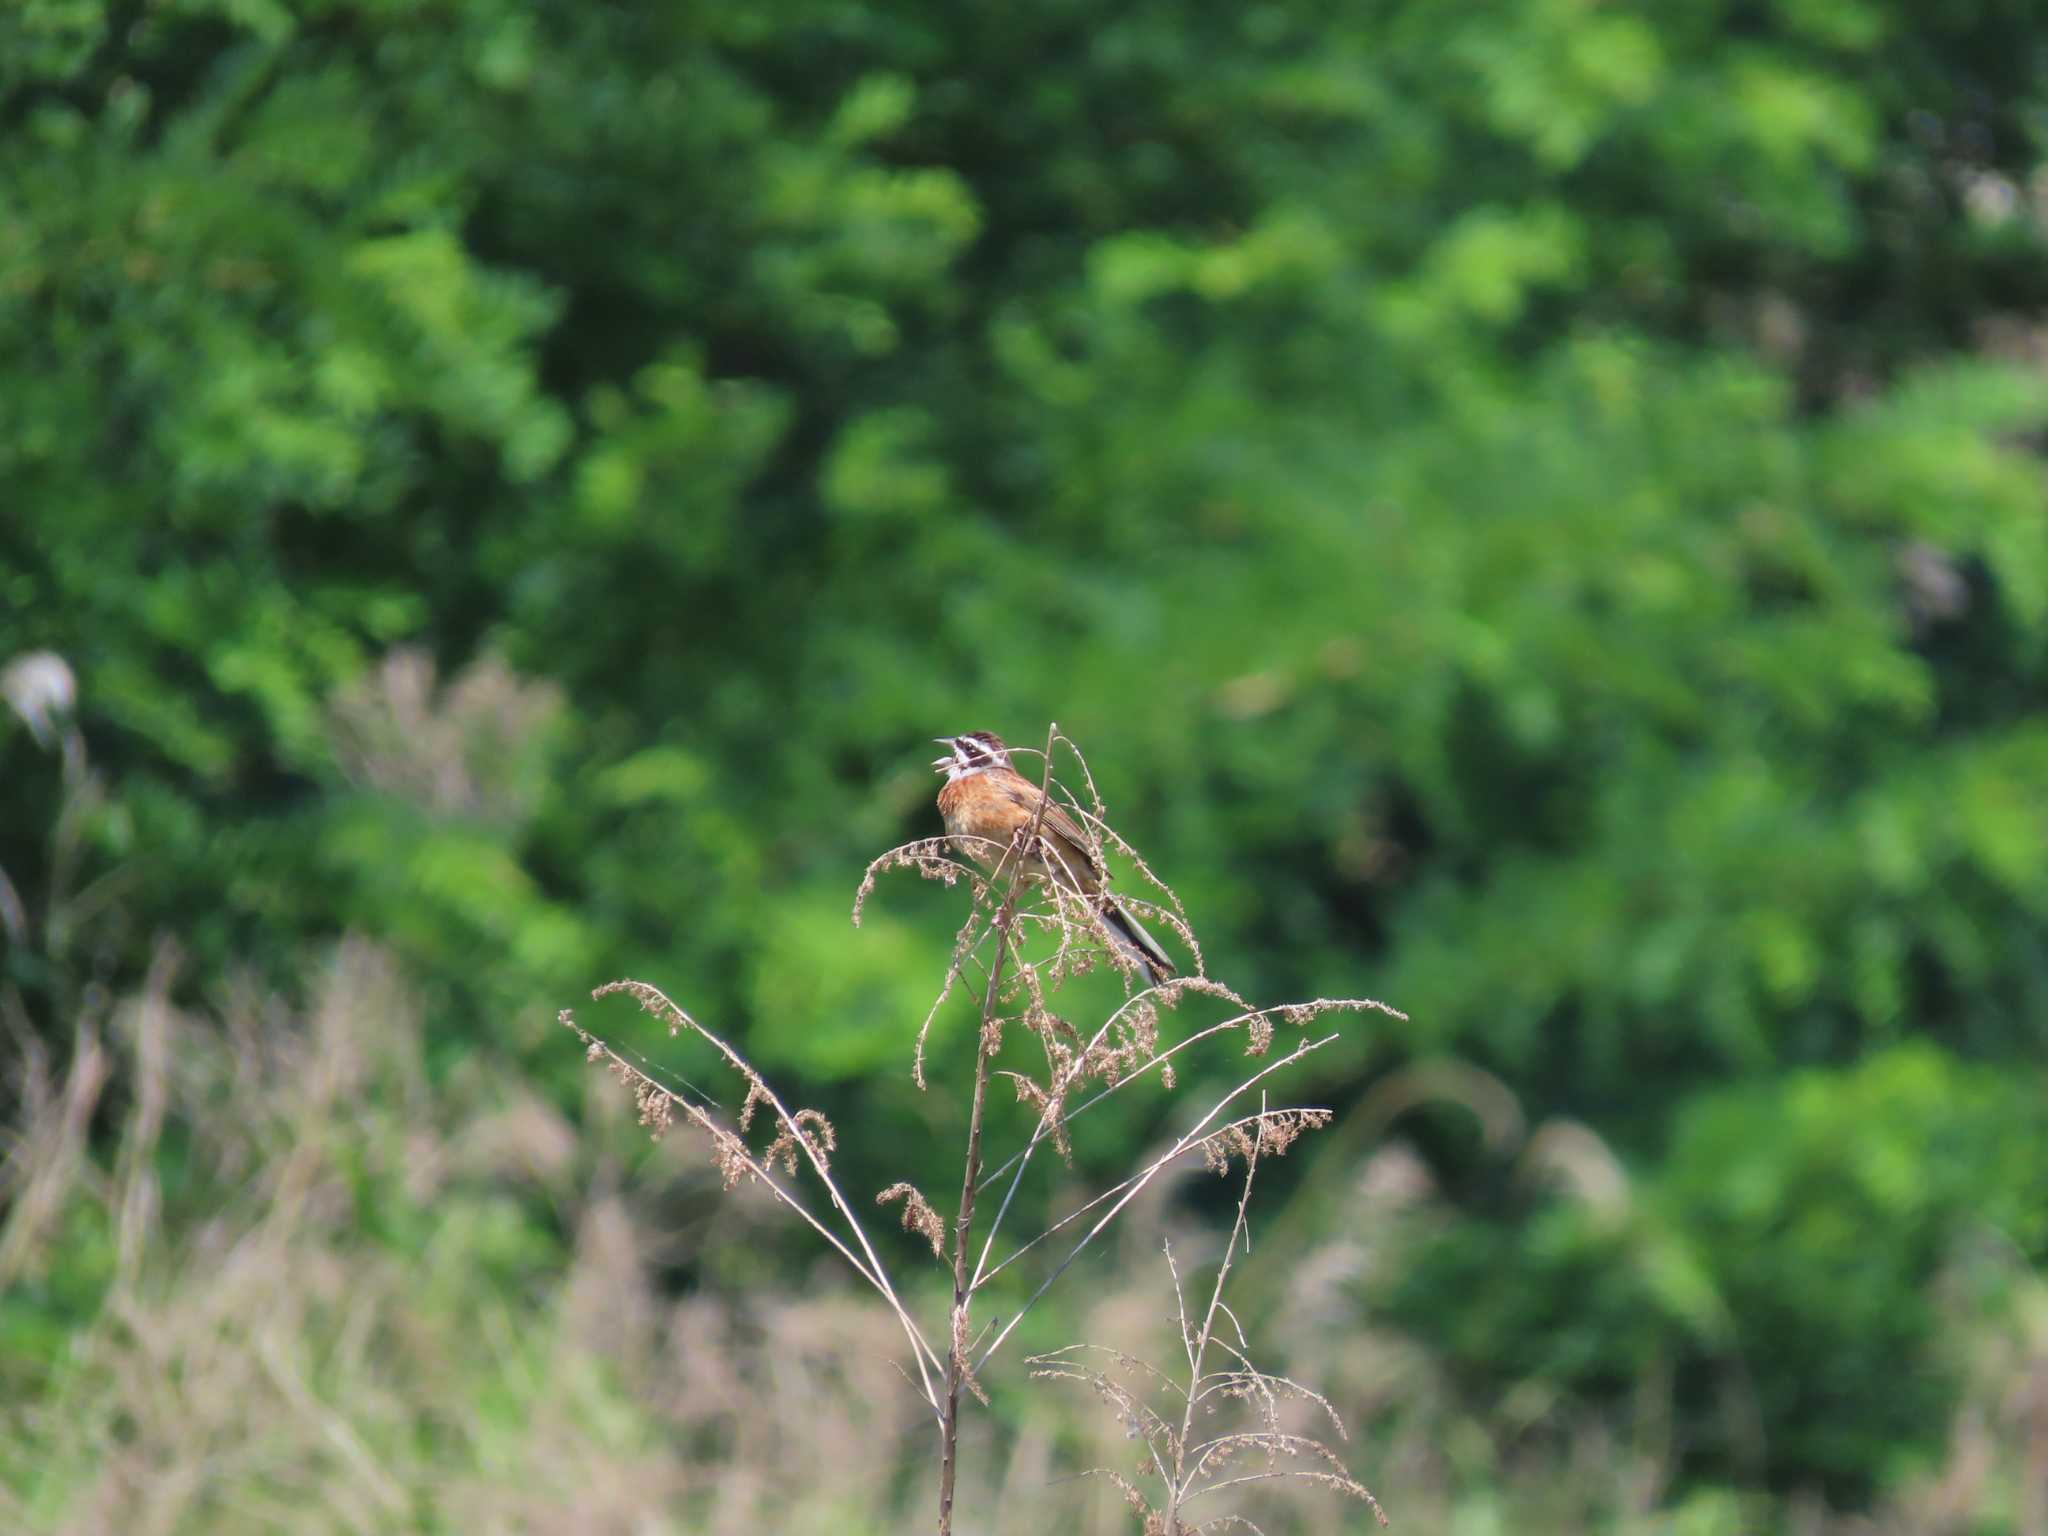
(1198, 1342)
(970, 1188)
(957, 1373)
(868, 1264)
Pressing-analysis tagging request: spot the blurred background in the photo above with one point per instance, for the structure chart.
(1535, 511)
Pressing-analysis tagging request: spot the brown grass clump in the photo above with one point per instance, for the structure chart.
(476, 746)
(314, 1328)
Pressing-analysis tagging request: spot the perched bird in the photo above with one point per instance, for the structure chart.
(987, 803)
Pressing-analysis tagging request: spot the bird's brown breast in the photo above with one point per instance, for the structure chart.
(988, 810)
(975, 807)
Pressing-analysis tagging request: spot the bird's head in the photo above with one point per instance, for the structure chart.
(975, 752)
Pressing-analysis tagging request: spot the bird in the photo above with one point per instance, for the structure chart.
(987, 803)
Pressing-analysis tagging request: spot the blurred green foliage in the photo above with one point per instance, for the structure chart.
(1775, 1263)
(1535, 510)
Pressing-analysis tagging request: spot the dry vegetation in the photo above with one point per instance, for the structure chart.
(263, 1358)
(1189, 1456)
(1023, 941)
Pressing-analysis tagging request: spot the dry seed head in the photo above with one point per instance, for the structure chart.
(818, 1140)
(1051, 1107)
(918, 1215)
(931, 857)
(961, 1357)
(657, 1110)
(1277, 1130)
(1155, 1524)
(1049, 1025)
(1029, 1092)
(1258, 1034)
(757, 1095)
(728, 1153)
(1127, 1044)
(652, 1000)
(1174, 988)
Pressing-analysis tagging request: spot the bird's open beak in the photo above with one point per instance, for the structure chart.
(941, 764)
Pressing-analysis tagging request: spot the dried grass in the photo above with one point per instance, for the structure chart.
(475, 747)
(260, 1361)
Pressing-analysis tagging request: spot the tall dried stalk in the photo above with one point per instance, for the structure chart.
(957, 1373)
(1044, 935)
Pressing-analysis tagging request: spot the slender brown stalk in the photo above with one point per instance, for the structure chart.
(867, 1263)
(1198, 1343)
(970, 1182)
(970, 1187)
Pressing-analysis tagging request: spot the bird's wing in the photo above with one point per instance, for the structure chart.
(1067, 846)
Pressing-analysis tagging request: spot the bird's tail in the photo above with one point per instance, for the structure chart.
(1139, 946)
